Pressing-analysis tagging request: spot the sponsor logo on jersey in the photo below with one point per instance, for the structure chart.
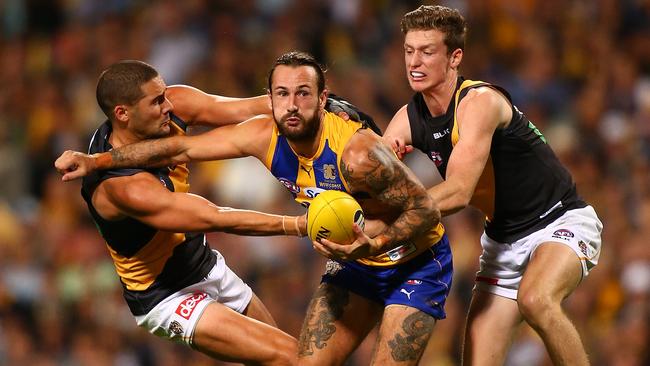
(441, 134)
(407, 293)
(563, 234)
(583, 247)
(413, 282)
(306, 170)
(312, 192)
(291, 186)
(175, 327)
(436, 158)
(187, 306)
(401, 251)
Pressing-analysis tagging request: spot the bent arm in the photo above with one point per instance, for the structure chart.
(398, 133)
(142, 197)
(369, 165)
(478, 116)
(197, 107)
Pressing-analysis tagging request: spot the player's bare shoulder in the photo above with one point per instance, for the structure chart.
(486, 101)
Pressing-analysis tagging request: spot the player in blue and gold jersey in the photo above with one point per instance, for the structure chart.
(174, 284)
(540, 238)
(400, 280)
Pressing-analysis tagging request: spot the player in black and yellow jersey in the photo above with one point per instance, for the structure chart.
(401, 280)
(174, 284)
(540, 238)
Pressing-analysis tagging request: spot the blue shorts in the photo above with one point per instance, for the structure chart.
(422, 283)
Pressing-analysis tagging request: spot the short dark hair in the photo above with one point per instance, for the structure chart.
(297, 58)
(448, 21)
(121, 83)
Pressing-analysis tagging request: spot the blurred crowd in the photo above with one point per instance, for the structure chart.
(580, 69)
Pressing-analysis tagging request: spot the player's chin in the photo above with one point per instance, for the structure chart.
(418, 85)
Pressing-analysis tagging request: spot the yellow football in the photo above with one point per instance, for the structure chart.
(331, 215)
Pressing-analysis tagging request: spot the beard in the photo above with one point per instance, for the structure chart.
(307, 130)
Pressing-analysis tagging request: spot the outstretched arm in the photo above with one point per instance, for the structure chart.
(250, 138)
(369, 165)
(142, 197)
(197, 107)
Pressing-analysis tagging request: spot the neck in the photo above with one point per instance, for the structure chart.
(121, 136)
(439, 97)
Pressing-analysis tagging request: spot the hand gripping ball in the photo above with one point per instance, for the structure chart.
(331, 215)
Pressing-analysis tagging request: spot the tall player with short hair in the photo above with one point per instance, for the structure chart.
(540, 237)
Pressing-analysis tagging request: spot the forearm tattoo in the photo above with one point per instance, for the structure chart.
(326, 307)
(149, 153)
(388, 181)
(409, 346)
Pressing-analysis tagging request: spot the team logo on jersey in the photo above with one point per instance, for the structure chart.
(332, 267)
(187, 306)
(436, 157)
(176, 327)
(413, 282)
(291, 186)
(563, 234)
(329, 171)
(583, 247)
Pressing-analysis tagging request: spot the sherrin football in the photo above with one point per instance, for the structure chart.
(331, 215)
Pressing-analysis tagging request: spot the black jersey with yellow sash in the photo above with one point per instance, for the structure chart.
(151, 264)
(523, 187)
(306, 177)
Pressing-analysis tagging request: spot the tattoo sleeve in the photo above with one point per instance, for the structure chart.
(416, 329)
(150, 153)
(326, 307)
(389, 181)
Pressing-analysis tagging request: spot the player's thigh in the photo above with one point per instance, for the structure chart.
(491, 324)
(403, 336)
(230, 336)
(336, 322)
(553, 272)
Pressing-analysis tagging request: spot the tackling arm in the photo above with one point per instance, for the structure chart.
(142, 197)
(250, 138)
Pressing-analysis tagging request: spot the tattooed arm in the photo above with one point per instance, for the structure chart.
(369, 165)
(249, 138)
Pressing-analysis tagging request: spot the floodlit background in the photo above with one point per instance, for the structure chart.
(579, 69)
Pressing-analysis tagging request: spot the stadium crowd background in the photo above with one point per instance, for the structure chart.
(579, 69)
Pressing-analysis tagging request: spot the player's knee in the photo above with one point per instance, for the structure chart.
(536, 308)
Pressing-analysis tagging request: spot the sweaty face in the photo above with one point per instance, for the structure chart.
(426, 59)
(295, 101)
(149, 117)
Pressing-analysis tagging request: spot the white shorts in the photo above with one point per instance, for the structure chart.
(175, 317)
(502, 265)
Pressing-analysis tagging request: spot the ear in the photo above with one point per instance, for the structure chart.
(455, 58)
(322, 98)
(270, 101)
(121, 113)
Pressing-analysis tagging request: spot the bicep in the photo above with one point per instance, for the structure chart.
(249, 138)
(478, 118)
(371, 166)
(197, 107)
(145, 199)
